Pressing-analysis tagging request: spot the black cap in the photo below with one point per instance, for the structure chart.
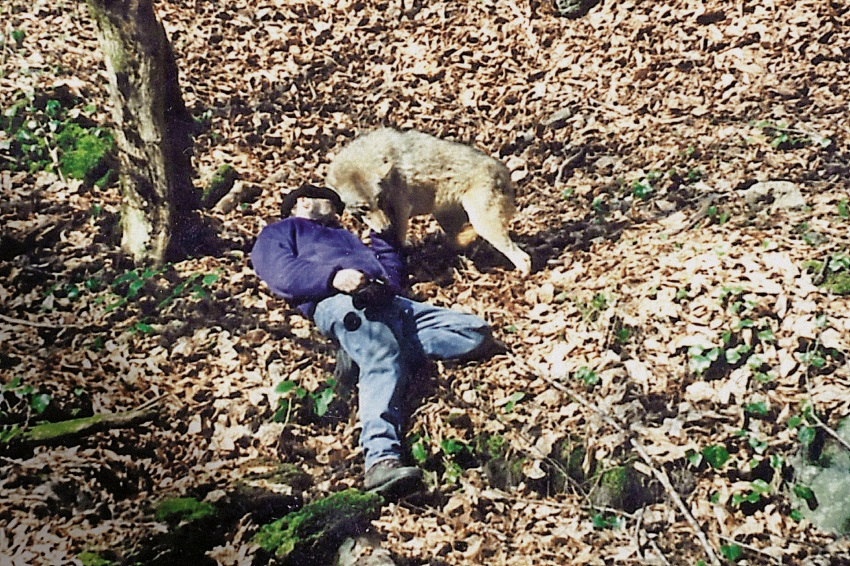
(311, 191)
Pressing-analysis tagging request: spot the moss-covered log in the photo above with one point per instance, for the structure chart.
(153, 131)
(313, 534)
(76, 428)
(219, 185)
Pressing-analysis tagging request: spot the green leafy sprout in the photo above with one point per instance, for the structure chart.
(293, 395)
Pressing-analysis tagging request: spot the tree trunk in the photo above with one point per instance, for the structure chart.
(153, 128)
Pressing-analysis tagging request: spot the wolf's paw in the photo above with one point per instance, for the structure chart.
(522, 262)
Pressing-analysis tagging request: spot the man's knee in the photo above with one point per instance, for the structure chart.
(346, 370)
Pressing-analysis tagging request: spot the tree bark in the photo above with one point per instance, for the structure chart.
(153, 128)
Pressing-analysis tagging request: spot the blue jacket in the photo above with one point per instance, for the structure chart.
(298, 258)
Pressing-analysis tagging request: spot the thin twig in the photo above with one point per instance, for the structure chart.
(658, 552)
(24, 322)
(830, 432)
(659, 474)
(150, 402)
(814, 415)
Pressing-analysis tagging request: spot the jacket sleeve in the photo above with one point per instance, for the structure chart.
(296, 279)
(387, 248)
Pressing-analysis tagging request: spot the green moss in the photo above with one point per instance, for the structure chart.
(93, 559)
(183, 509)
(571, 453)
(491, 446)
(838, 282)
(40, 129)
(219, 185)
(621, 487)
(309, 530)
(83, 152)
(837, 278)
(615, 479)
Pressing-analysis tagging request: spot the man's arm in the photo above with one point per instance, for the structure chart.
(294, 278)
(387, 248)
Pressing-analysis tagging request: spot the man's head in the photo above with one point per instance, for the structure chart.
(312, 202)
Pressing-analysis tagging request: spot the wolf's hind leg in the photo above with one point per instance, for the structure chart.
(452, 221)
(489, 212)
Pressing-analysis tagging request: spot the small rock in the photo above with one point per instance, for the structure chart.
(781, 195)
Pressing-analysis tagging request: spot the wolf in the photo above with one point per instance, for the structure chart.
(387, 176)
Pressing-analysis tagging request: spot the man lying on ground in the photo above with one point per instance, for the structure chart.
(353, 293)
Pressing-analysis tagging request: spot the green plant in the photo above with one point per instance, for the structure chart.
(587, 375)
(606, 521)
(809, 235)
(781, 136)
(694, 175)
(515, 398)
(293, 396)
(623, 334)
(758, 489)
(419, 448)
(93, 559)
(641, 189)
(731, 552)
(599, 206)
(804, 492)
(718, 215)
(19, 403)
(833, 274)
(701, 358)
(715, 455)
(455, 454)
(311, 527)
(590, 311)
(56, 134)
(843, 209)
(806, 425)
(756, 409)
(150, 290)
(759, 446)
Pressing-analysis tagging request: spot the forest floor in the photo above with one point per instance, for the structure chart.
(682, 178)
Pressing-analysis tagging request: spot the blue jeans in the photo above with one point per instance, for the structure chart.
(389, 343)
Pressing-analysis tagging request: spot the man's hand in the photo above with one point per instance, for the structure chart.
(348, 280)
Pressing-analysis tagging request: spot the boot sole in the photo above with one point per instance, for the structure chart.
(398, 487)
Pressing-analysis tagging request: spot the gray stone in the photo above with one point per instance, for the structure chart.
(779, 195)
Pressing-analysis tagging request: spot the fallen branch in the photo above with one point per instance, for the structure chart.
(77, 428)
(823, 426)
(659, 474)
(826, 428)
(21, 321)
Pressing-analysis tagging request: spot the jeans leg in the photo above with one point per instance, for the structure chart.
(374, 346)
(445, 334)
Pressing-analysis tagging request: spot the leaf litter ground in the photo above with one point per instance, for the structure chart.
(634, 134)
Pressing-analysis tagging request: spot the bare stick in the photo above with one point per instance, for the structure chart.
(24, 322)
(830, 432)
(658, 552)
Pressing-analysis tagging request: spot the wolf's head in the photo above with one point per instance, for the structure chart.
(363, 191)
